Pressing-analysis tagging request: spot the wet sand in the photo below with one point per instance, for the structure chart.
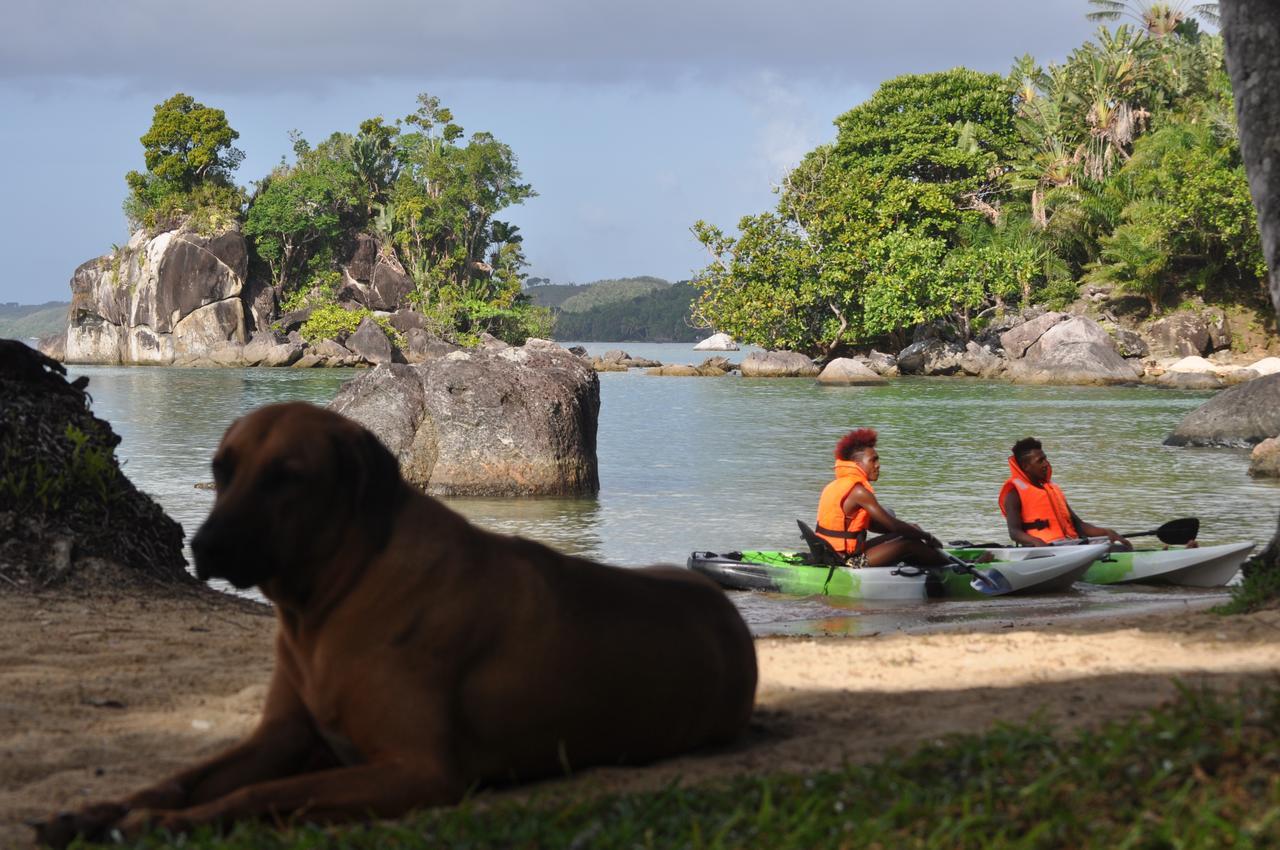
(102, 694)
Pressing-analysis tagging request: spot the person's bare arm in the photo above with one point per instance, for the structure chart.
(1098, 531)
(882, 520)
(1013, 520)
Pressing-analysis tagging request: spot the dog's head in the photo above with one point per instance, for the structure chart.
(295, 483)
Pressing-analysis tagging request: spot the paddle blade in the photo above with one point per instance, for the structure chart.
(990, 582)
(1179, 531)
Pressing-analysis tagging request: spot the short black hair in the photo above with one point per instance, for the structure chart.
(1026, 446)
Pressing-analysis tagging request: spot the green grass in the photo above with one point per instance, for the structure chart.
(1204, 772)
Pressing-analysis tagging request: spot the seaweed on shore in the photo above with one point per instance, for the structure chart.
(65, 505)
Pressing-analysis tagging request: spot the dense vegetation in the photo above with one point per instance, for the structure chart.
(25, 321)
(430, 197)
(632, 309)
(1198, 774)
(946, 195)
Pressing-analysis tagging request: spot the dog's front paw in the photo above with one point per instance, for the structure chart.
(141, 821)
(93, 823)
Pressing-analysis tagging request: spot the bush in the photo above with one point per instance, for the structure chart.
(333, 322)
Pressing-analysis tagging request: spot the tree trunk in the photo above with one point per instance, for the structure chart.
(1251, 29)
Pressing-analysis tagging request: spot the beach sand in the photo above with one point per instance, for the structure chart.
(103, 693)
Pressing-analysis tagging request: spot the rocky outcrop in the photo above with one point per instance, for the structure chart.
(778, 364)
(884, 365)
(1072, 351)
(372, 277)
(174, 295)
(1240, 416)
(370, 343)
(846, 372)
(1019, 338)
(931, 356)
(1130, 343)
(518, 421)
(72, 515)
(1184, 334)
(717, 342)
(1264, 461)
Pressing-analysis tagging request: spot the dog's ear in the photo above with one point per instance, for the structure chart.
(372, 474)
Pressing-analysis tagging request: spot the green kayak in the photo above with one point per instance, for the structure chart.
(1031, 570)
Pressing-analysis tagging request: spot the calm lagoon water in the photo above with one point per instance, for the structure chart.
(731, 463)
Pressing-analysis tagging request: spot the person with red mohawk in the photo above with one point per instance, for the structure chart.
(848, 509)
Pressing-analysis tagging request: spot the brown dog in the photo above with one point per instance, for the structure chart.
(418, 655)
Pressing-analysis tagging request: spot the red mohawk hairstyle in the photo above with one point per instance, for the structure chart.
(855, 441)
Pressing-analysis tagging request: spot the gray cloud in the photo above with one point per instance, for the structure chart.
(239, 45)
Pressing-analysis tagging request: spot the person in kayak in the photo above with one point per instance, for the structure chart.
(848, 508)
(1035, 509)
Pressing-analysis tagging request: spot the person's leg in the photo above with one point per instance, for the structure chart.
(914, 552)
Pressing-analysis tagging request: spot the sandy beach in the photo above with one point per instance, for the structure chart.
(105, 692)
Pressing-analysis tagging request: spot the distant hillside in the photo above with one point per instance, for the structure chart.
(20, 321)
(658, 315)
(578, 298)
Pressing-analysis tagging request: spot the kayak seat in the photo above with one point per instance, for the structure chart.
(821, 553)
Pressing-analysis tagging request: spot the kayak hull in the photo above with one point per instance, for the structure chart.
(1024, 571)
(1206, 566)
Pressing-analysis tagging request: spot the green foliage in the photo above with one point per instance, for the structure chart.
(298, 213)
(1196, 774)
(661, 315)
(331, 321)
(855, 248)
(190, 160)
(946, 194)
(1188, 224)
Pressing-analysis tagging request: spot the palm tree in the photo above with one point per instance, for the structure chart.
(1159, 19)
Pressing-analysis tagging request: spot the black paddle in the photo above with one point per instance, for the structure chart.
(1175, 532)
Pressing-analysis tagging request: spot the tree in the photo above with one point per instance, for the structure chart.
(855, 247)
(1252, 30)
(1158, 19)
(189, 159)
(298, 210)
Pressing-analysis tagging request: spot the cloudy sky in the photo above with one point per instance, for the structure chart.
(630, 120)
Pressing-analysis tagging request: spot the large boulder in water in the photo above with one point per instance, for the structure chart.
(717, 342)
(67, 511)
(1264, 461)
(846, 372)
(1241, 416)
(516, 421)
(778, 364)
(1074, 351)
(174, 295)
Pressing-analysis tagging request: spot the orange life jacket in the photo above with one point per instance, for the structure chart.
(845, 532)
(1045, 515)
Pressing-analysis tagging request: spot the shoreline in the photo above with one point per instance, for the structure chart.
(109, 691)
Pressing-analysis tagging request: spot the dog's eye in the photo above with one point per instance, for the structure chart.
(279, 474)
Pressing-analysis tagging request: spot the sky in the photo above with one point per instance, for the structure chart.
(630, 120)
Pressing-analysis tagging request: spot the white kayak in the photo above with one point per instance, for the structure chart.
(1204, 566)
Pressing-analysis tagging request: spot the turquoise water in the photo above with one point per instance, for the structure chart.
(731, 463)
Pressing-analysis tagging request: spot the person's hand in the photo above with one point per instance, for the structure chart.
(1118, 539)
